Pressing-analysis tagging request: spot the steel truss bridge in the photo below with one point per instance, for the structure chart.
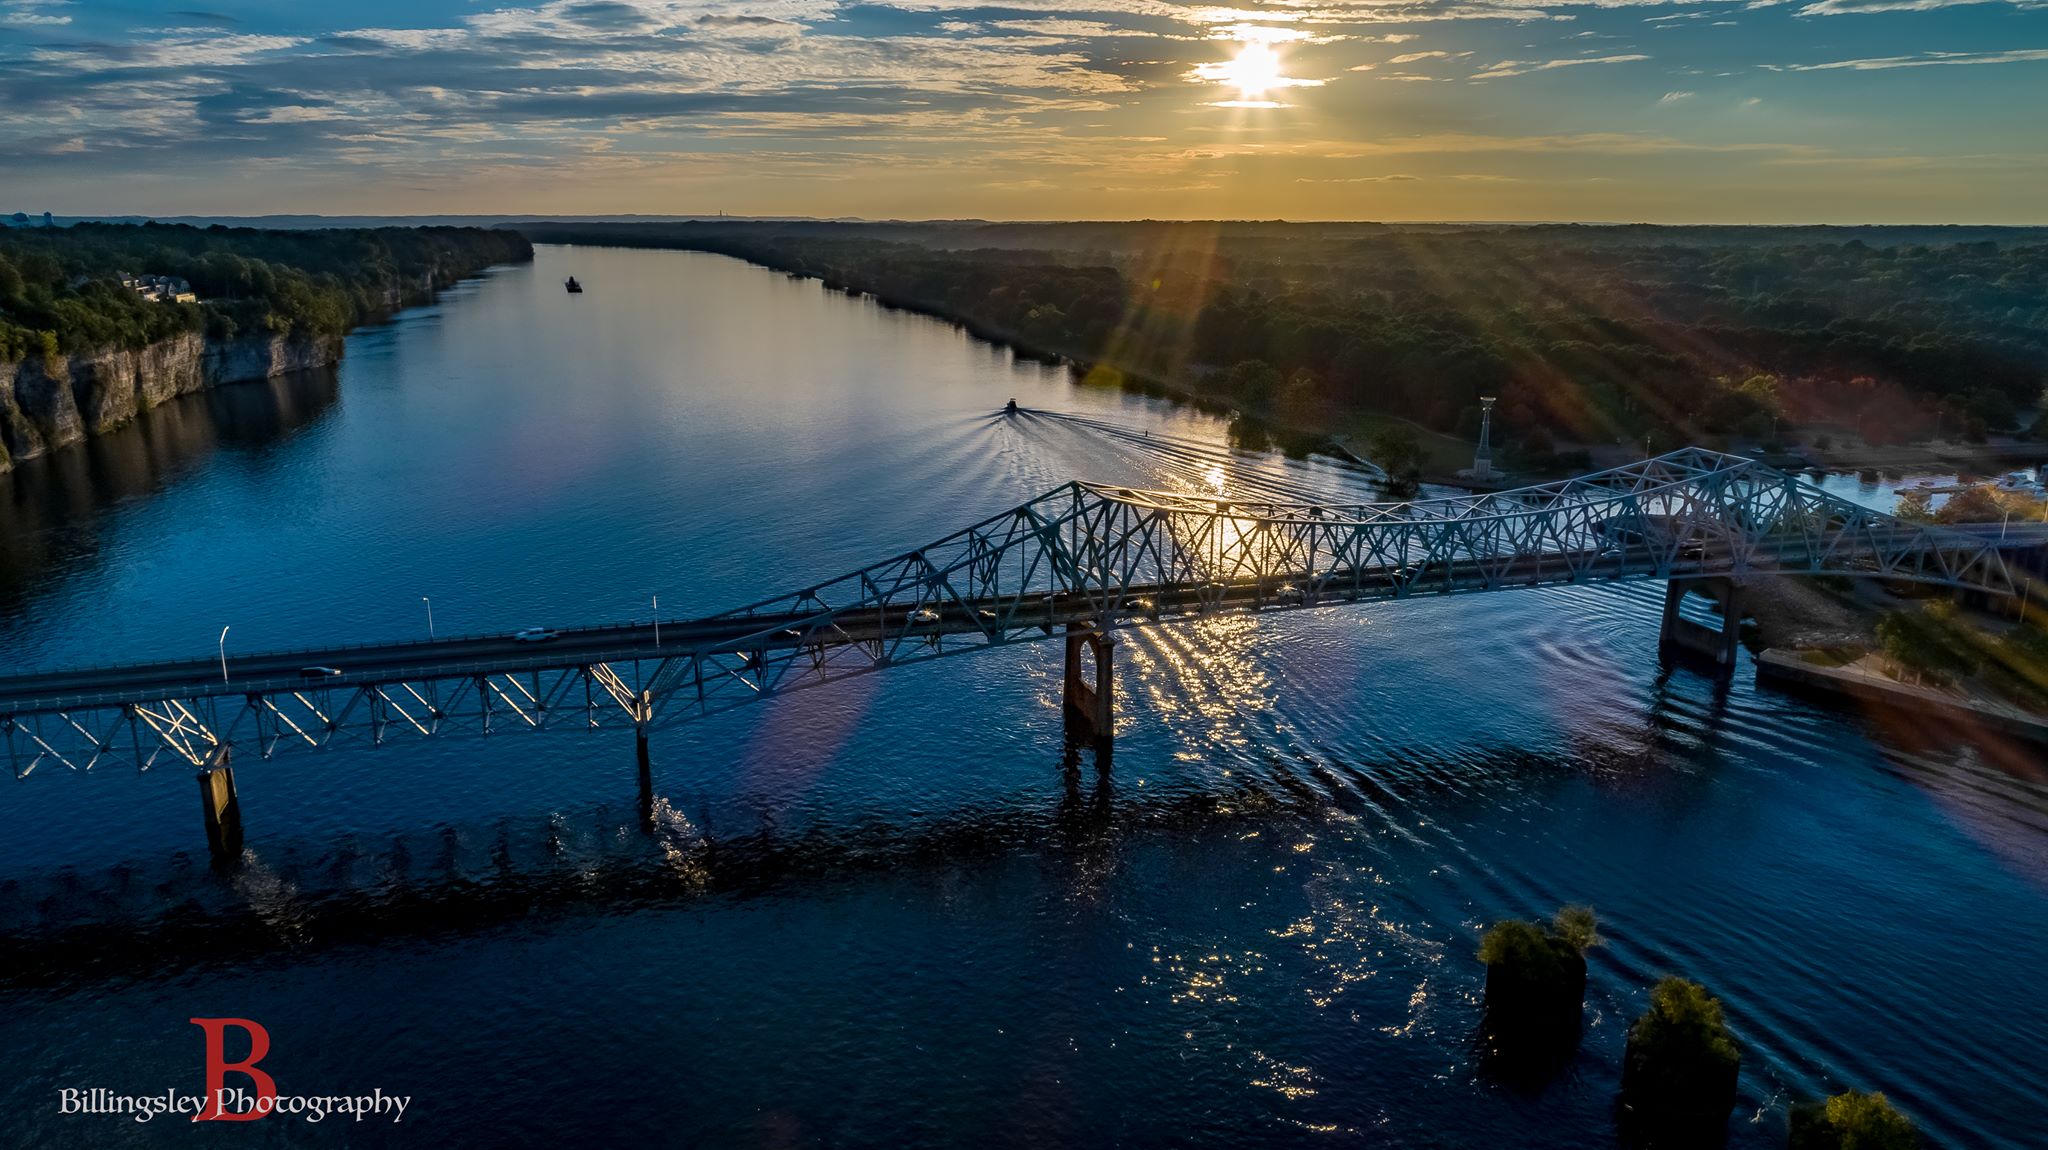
(1083, 559)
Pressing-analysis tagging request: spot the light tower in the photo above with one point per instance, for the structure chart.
(1482, 460)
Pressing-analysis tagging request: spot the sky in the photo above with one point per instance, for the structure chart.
(1733, 111)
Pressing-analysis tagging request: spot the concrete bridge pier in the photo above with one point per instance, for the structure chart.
(644, 714)
(1683, 639)
(1091, 710)
(221, 807)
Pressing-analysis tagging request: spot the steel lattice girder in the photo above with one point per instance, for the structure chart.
(1105, 557)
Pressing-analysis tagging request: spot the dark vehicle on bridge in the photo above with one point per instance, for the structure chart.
(318, 672)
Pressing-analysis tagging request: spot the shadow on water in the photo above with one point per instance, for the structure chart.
(54, 506)
(146, 920)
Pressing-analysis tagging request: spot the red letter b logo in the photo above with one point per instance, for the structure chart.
(217, 1067)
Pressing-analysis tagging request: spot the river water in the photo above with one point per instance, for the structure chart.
(888, 913)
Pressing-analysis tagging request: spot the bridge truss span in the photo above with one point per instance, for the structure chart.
(1083, 557)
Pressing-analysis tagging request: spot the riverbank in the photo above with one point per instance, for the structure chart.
(82, 352)
(47, 403)
(1826, 639)
(1965, 458)
(1861, 682)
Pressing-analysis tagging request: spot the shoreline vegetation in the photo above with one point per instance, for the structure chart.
(82, 353)
(1810, 346)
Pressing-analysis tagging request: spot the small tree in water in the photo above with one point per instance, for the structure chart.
(1852, 1120)
(1678, 1078)
(1536, 983)
(1577, 926)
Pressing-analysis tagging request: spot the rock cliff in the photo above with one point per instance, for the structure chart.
(48, 403)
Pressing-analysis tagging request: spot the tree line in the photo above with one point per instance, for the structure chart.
(1588, 335)
(60, 292)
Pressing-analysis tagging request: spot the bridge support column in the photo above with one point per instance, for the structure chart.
(221, 808)
(1681, 638)
(644, 713)
(1090, 710)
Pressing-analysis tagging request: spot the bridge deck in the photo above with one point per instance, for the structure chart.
(992, 619)
(1079, 556)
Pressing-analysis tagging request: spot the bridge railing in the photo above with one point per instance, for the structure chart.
(1086, 554)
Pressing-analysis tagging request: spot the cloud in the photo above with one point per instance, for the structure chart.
(1524, 67)
(606, 14)
(1927, 60)
(530, 86)
(1067, 29)
(1856, 7)
(30, 14)
(654, 94)
(1394, 179)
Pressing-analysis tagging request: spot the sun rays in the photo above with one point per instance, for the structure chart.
(1256, 71)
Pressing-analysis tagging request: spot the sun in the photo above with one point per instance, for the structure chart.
(1255, 71)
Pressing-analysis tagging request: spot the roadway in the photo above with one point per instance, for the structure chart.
(998, 619)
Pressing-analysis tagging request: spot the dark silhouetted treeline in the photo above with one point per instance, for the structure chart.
(1587, 334)
(59, 287)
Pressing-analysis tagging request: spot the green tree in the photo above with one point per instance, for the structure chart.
(1679, 1074)
(1915, 506)
(1927, 644)
(1577, 926)
(1396, 448)
(1254, 381)
(313, 283)
(1536, 983)
(1852, 1120)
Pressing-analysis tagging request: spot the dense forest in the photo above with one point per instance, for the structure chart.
(1587, 335)
(60, 290)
